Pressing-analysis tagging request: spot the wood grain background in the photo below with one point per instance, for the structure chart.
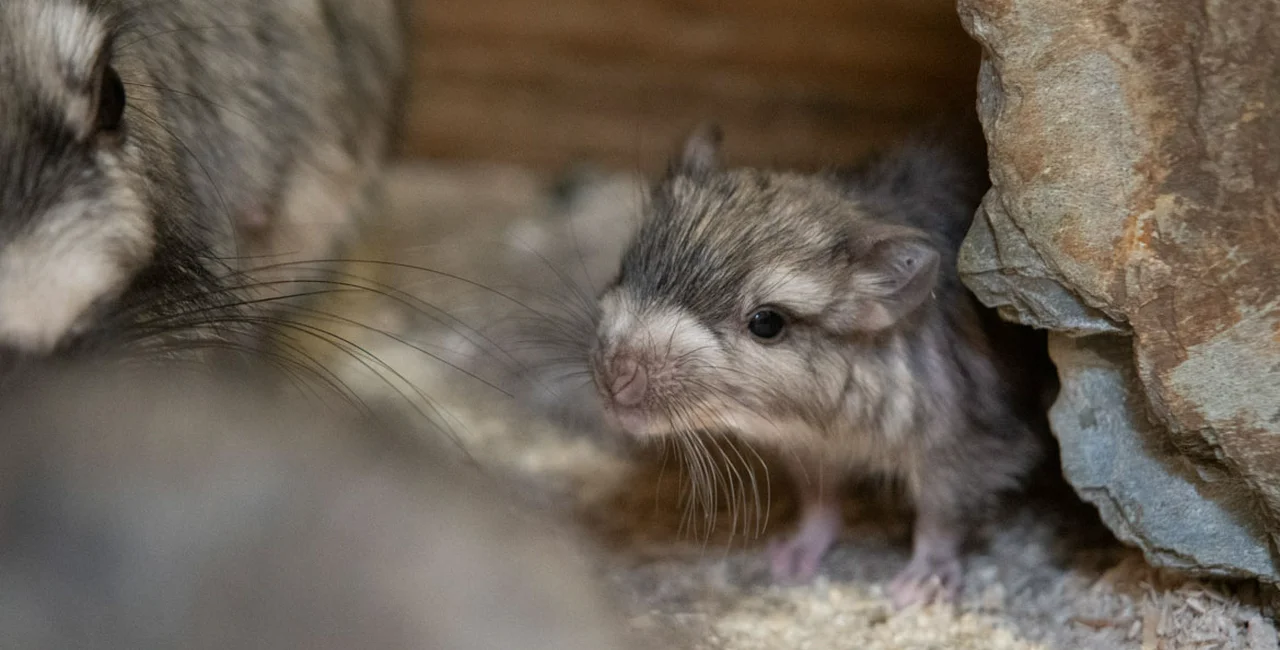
(546, 83)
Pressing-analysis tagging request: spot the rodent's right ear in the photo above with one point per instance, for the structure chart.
(894, 271)
(701, 153)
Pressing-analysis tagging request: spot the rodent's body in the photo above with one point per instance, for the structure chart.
(151, 152)
(172, 509)
(822, 316)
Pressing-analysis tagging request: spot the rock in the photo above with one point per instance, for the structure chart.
(1134, 212)
(1124, 464)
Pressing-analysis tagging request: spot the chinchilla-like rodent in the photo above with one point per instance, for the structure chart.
(822, 316)
(154, 151)
(146, 509)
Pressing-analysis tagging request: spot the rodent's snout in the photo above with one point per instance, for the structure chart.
(628, 382)
(650, 364)
(624, 381)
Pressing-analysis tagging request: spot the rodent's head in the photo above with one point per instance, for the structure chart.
(739, 299)
(84, 175)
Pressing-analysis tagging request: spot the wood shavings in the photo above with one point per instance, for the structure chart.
(1100, 623)
(1261, 634)
(1151, 627)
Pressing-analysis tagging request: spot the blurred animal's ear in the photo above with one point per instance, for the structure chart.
(701, 153)
(894, 270)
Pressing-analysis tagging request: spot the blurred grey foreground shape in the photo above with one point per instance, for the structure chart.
(168, 510)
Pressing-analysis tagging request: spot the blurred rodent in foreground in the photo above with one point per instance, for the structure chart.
(167, 166)
(178, 509)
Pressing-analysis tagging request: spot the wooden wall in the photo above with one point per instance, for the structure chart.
(793, 82)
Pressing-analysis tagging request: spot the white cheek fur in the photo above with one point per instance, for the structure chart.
(617, 315)
(714, 383)
(659, 334)
(77, 254)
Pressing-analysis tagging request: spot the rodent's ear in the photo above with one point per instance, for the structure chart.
(701, 153)
(895, 269)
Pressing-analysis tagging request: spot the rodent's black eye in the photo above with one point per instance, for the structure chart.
(111, 100)
(766, 324)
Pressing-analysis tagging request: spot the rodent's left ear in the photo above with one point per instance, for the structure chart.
(894, 271)
(701, 153)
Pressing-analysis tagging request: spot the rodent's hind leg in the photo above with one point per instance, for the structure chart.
(796, 558)
(934, 573)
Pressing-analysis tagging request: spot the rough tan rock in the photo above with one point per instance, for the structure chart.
(1134, 159)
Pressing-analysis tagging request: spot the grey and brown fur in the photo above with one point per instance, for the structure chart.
(887, 366)
(144, 509)
(251, 132)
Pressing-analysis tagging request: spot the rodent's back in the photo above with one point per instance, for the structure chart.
(258, 91)
(933, 181)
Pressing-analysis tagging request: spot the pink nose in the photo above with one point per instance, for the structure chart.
(629, 382)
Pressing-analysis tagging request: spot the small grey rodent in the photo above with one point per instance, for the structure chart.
(144, 509)
(822, 316)
(152, 151)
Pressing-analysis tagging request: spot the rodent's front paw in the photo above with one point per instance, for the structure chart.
(927, 578)
(796, 559)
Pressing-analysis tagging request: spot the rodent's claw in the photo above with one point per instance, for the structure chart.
(793, 562)
(927, 578)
